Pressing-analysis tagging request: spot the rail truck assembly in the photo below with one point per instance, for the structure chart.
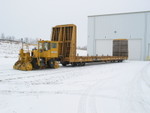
(62, 49)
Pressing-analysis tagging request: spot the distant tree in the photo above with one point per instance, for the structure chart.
(9, 38)
(26, 40)
(78, 47)
(82, 48)
(13, 38)
(2, 36)
(21, 40)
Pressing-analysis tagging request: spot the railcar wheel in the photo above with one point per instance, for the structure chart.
(82, 63)
(74, 64)
(64, 63)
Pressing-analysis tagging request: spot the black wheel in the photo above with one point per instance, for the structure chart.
(119, 60)
(35, 64)
(74, 64)
(114, 61)
(64, 63)
(79, 64)
(51, 63)
(82, 63)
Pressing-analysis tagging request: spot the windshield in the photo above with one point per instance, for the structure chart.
(46, 46)
(40, 45)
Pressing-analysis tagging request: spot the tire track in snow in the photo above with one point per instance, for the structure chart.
(87, 102)
(8, 74)
(146, 79)
(41, 73)
(133, 102)
(53, 78)
(33, 76)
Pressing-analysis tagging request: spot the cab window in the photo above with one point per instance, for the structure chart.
(54, 45)
(46, 46)
(40, 46)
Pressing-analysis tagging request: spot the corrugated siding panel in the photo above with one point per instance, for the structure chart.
(90, 47)
(148, 37)
(120, 26)
(135, 49)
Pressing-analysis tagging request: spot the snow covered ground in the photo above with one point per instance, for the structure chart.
(94, 88)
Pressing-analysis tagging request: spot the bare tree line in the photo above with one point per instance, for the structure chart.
(27, 40)
(14, 39)
(82, 47)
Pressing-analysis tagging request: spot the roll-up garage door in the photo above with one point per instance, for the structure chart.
(135, 49)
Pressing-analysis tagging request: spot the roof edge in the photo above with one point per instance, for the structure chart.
(120, 13)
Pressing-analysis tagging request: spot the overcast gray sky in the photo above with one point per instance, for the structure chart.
(34, 18)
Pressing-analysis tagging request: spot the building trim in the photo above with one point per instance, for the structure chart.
(116, 38)
(120, 13)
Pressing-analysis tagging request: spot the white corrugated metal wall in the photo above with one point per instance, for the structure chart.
(104, 47)
(148, 36)
(133, 26)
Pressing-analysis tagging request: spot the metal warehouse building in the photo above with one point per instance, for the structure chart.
(135, 27)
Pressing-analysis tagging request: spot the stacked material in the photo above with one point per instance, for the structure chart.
(120, 47)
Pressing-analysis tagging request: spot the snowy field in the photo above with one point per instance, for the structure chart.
(94, 88)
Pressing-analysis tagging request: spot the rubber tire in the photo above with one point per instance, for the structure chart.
(35, 64)
(51, 63)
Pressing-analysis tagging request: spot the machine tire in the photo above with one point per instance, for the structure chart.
(51, 63)
(35, 64)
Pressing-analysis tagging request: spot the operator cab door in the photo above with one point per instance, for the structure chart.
(54, 49)
(46, 49)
